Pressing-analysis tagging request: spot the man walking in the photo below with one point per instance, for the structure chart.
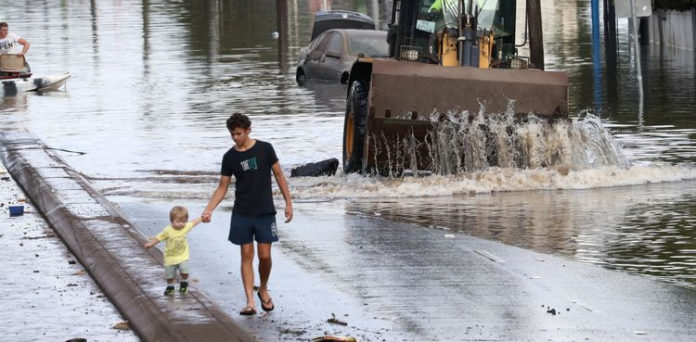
(251, 162)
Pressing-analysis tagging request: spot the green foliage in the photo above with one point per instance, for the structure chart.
(678, 5)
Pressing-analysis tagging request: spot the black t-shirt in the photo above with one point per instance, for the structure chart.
(253, 194)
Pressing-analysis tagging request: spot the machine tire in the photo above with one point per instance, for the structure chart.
(354, 127)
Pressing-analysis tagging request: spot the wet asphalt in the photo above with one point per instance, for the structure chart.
(394, 281)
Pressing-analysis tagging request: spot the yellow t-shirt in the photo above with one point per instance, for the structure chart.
(176, 248)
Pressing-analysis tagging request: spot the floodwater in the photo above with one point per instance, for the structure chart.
(153, 81)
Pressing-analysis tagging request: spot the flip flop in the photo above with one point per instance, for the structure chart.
(265, 305)
(248, 311)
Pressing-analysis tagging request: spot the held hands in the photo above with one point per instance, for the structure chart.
(205, 216)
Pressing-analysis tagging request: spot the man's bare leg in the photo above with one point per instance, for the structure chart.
(265, 263)
(248, 272)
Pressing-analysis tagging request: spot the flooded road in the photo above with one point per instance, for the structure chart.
(153, 81)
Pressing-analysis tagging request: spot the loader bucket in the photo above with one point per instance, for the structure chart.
(412, 108)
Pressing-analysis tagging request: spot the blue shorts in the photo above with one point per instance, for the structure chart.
(245, 229)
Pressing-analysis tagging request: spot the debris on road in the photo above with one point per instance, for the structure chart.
(334, 320)
(121, 326)
(488, 256)
(585, 306)
(16, 210)
(326, 167)
(329, 338)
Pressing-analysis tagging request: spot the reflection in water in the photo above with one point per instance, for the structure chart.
(282, 35)
(95, 35)
(657, 238)
(15, 103)
(319, 5)
(645, 230)
(330, 95)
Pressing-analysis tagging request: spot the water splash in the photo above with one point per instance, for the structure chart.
(458, 142)
(494, 179)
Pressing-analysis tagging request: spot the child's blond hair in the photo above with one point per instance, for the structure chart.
(178, 212)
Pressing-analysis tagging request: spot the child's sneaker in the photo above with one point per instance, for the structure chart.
(169, 291)
(183, 287)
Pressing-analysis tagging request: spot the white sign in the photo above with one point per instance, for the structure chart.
(424, 25)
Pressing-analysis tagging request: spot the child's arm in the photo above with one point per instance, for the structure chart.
(196, 221)
(153, 241)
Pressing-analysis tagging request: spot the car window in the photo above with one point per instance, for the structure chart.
(336, 44)
(318, 47)
(369, 46)
(313, 45)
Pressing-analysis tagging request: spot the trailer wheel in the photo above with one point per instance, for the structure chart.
(354, 127)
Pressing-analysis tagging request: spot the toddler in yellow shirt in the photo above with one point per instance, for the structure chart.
(176, 250)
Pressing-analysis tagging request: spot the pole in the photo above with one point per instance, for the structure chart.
(282, 26)
(610, 54)
(375, 14)
(639, 73)
(596, 61)
(536, 42)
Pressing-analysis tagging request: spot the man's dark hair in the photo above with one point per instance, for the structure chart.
(238, 120)
(3, 24)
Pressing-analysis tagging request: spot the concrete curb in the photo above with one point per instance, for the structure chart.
(110, 248)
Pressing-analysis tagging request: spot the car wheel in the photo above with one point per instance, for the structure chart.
(300, 77)
(354, 127)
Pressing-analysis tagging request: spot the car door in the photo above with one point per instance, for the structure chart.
(331, 65)
(315, 55)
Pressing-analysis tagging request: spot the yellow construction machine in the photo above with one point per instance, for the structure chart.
(453, 66)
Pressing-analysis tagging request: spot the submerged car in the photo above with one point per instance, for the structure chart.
(331, 55)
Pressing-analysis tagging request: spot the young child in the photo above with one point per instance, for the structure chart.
(176, 250)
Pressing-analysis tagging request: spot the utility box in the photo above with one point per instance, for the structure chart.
(642, 8)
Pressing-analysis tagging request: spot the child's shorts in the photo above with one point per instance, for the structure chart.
(170, 270)
(245, 229)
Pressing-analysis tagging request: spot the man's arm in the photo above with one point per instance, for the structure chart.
(283, 185)
(218, 195)
(25, 45)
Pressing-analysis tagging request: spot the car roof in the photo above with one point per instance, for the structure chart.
(326, 20)
(361, 33)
